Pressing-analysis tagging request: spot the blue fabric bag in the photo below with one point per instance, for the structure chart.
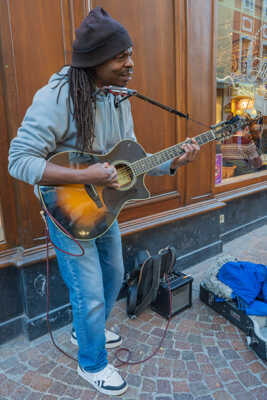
(248, 282)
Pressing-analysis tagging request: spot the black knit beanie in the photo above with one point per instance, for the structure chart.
(98, 39)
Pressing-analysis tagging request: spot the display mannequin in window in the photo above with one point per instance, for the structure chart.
(73, 112)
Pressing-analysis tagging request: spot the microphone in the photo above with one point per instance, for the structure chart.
(118, 90)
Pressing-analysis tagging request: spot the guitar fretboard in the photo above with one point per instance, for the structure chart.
(146, 164)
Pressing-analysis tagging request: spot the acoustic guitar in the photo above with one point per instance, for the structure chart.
(87, 211)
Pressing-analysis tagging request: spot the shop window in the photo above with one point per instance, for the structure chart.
(248, 5)
(265, 9)
(241, 81)
(2, 236)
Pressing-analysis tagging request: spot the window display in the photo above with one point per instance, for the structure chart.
(241, 82)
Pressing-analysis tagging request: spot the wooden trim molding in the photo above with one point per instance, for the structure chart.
(241, 192)
(241, 182)
(20, 257)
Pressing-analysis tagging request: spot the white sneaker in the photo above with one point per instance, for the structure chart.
(112, 339)
(107, 381)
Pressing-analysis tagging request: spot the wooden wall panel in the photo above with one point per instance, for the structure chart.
(201, 94)
(7, 195)
(36, 38)
(151, 24)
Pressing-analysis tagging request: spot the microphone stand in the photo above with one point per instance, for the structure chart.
(126, 93)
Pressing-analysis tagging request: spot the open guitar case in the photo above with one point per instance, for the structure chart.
(254, 327)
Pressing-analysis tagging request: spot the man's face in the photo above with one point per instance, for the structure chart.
(117, 71)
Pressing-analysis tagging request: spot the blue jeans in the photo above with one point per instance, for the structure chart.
(94, 281)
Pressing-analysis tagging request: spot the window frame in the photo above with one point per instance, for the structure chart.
(250, 8)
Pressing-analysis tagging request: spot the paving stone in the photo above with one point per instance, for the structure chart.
(148, 385)
(248, 379)
(188, 355)
(59, 372)
(163, 386)
(213, 382)
(146, 396)
(7, 387)
(235, 387)
(36, 381)
(183, 396)
(213, 351)
(198, 388)
(260, 393)
(134, 380)
(35, 396)
(222, 395)
(180, 387)
(207, 369)
(182, 345)
(165, 372)
(202, 358)
(49, 397)
(46, 368)
(172, 354)
(248, 356)
(57, 388)
(8, 363)
(196, 339)
(230, 354)
(219, 362)
(88, 394)
(226, 375)
(263, 378)
(150, 370)
(238, 365)
(244, 396)
(256, 367)
(224, 344)
(20, 393)
(197, 348)
(18, 369)
(163, 398)
(194, 377)
(180, 373)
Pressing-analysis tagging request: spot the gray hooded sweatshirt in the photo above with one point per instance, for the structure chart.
(48, 127)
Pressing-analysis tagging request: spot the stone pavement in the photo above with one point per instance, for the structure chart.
(203, 356)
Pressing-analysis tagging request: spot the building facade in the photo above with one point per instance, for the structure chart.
(205, 58)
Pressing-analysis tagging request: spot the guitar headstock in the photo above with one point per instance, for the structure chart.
(225, 129)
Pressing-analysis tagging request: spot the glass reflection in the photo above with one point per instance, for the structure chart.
(241, 82)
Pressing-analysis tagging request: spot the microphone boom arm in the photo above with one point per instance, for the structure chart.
(126, 93)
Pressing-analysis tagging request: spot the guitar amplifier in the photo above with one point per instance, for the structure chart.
(180, 290)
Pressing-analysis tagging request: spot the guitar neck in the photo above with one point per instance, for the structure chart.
(146, 164)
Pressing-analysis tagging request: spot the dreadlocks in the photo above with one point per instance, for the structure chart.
(81, 91)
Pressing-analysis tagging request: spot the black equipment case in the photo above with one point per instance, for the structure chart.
(254, 327)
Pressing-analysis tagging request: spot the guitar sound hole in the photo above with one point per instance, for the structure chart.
(125, 176)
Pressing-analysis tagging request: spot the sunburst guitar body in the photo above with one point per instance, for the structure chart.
(87, 211)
